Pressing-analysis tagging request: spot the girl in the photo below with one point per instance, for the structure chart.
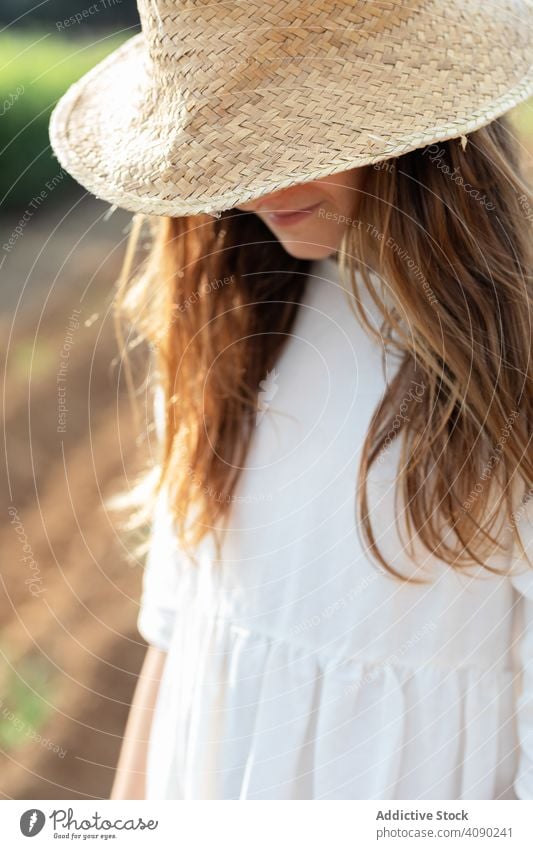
(338, 595)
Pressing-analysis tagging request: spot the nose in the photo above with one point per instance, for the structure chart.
(265, 201)
(255, 205)
(248, 207)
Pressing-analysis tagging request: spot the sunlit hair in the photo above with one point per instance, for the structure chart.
(216, 298)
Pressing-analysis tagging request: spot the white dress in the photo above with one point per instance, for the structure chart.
(296, 667)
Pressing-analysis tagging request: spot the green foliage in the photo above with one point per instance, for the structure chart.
(23, 703)
(523, 119)
(37, 68)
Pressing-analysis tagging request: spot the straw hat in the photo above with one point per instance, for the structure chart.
(216, 103)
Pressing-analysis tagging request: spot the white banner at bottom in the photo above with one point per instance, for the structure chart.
(268, 824)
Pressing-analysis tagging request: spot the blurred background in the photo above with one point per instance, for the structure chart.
(69, 649)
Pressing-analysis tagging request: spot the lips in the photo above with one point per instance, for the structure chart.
(288, 217)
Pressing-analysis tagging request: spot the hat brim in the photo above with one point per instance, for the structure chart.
(139, 144)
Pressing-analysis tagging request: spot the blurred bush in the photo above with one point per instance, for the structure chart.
(29, 13)
(523, 121)
(37, 68)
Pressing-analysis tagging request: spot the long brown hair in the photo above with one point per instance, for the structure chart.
(445, 231)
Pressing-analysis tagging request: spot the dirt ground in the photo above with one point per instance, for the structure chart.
(69, 648)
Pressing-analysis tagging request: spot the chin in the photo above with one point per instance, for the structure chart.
(307, 251)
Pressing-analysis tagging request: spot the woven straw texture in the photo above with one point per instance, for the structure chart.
(217, 103)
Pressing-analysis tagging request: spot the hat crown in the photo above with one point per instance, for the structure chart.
(258, 47)
(191, 25)
(159, 16)
(217, 103)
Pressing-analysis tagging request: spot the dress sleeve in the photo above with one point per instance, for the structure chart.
(155, 620)
(523, 582)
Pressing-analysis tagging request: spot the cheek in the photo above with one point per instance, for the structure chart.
(341, 192)
(342, 200)
(330, 230)
(318, 232)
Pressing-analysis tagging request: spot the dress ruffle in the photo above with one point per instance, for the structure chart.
(251, 717)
